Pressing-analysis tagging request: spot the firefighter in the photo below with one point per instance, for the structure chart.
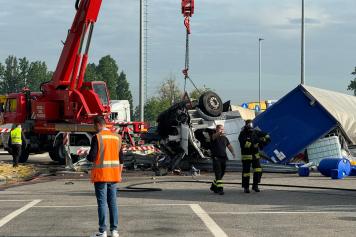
(105, 153)
(219, 143)
(251, 141)
(16, 144)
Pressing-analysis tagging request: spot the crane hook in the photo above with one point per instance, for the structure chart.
(77, 5)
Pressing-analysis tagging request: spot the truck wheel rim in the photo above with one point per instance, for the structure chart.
(214, 103)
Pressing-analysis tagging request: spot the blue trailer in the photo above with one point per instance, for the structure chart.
(303, 116)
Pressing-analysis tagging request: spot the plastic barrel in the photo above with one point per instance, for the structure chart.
(303, 171)
(327, 165)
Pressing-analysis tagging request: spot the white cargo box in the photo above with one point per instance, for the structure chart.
(328, 147)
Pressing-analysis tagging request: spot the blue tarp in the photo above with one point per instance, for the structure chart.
(294, 122)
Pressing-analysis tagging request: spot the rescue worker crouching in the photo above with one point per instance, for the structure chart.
(251, 141)
(219, 143)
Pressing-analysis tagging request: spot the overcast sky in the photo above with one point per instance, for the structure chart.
(224, 41)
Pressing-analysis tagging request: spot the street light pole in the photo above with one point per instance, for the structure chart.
(302, 69)
(259, 70)
(142, 63)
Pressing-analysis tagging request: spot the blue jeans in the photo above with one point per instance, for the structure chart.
(106, 194)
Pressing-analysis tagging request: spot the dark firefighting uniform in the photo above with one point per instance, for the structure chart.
(218, 148)
(251, 141)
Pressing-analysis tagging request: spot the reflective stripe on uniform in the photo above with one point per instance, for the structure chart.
(246, 157)
(246, 174)
(258, 170)
(110, 137)
(111, 162)
(248, 144)
(257, 155)
(108, 164)
(219, 183)
(101, 146)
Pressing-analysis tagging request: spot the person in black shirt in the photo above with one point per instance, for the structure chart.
(219, 143)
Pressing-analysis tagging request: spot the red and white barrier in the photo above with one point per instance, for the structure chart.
(5, 130)
(66, 138)
(83, 151)
(141, 148)
(119, 130)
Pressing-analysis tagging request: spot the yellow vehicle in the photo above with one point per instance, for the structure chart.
(2, 99)
(262, 106)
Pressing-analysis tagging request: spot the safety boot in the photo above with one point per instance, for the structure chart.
(221, 191)
(246, 190)
(256, 189)
(213, 188)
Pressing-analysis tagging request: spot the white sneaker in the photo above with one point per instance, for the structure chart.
(115, 233)
(104, 234)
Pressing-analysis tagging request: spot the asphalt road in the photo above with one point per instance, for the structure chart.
(63, 206)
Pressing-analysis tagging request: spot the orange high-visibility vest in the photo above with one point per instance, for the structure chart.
(106, 167)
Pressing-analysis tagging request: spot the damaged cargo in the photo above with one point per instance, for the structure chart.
(305, 115)
(185, 129)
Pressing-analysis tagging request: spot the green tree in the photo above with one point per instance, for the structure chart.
(196, 93)
(11, 79)
(24, 66)
(37, 74)
(2, 77)
(123, 91)
(168, 94)
(154, 106)
(91, 74)
(352, 85)
(169, 90)
(108, 70)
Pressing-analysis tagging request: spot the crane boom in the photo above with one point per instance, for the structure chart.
(72, 58)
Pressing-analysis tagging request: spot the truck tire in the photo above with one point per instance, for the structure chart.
(211, 104)
(25, 153)
(53, 155)
(59, 153)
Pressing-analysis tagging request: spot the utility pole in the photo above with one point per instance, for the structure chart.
(142, 62)
(259, 69)
(302, 69)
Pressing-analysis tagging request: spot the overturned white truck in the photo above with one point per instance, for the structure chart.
(186, 128)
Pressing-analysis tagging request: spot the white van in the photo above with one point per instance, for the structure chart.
(120, 111)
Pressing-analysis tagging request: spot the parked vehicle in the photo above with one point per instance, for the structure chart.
(120, 111)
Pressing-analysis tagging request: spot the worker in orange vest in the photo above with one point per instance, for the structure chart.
(105, 153)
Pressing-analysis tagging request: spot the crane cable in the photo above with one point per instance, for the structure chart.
(187, 11)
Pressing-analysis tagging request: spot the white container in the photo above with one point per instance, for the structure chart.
(328, 147)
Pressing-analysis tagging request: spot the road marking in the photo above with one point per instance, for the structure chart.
(14, 214)
(15, 200)
(82, 206)
(280, 212)
(208, 221)
(145, 205)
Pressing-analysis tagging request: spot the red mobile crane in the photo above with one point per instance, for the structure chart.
(66, 103)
